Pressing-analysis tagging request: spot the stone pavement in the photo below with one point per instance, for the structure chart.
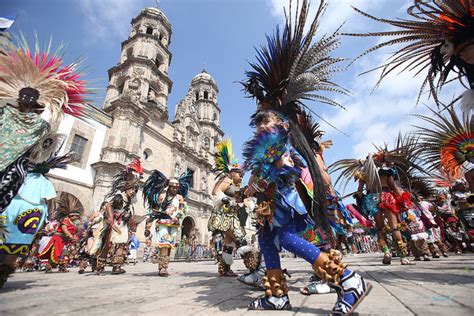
(441, 287)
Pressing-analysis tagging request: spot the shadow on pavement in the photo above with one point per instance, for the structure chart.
(12, 285)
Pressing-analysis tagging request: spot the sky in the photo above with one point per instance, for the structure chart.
(221, 36)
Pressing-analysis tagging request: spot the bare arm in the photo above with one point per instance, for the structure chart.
(109, 214)
(250, 191)
(221, 186)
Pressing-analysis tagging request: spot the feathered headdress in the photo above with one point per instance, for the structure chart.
(423, 186)
(349, 169)
(127, 178)
(69, 203)
(263, 150)
(185, 180)
(224, 158)
(157, 182)
(60, 87)
(290, 69)
(443, 180)
(310, 130)
(357, 169)
(434, 40)
(449, 143)
(153, 187)
(54, 162)
(403, 157)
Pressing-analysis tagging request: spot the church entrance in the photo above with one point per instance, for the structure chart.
(187, 228)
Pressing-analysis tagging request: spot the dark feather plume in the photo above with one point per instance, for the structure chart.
(54, 162)
(432, 27)
(292, 68)
(185, 180)
(152, 189)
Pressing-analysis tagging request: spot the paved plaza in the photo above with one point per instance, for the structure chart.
(441, 287)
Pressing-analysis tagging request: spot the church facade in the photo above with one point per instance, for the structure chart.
(134, 123)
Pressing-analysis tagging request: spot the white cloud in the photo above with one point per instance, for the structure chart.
(372, 117)
(108, 19)
(338, 11)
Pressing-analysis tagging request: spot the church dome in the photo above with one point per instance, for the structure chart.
(203, 76)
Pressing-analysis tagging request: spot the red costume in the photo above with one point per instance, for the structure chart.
(56, 248)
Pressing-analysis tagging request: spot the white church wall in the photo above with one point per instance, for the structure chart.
(75, 173)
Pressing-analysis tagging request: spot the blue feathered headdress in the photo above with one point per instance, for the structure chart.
(263, 150)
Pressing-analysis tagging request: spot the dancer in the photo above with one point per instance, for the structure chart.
(439, 38)
(382, 174)
(26, 214)
(55, 251)
(117, 220)
(275, 168)
(289, 70)
(224, 218)
(87, 242)
(165, 199)
(44, 89)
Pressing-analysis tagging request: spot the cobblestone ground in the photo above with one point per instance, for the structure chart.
(441, 287)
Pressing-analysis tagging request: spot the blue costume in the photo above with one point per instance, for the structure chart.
(26, 214)
(283, 216)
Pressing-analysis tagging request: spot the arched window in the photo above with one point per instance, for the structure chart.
(158, 61)
(149, 30)
(129, 52)
(120, 88)
(148, 154)
(206, 95)
(197, 95)
(215, 117)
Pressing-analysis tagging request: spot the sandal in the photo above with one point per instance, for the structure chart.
(406, 262)
(229, 273)
(317, 287)
(387, 258)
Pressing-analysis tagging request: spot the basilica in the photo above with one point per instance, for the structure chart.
(134, 122)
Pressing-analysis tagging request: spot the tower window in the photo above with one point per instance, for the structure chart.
(129, 52)
(158, 62)
(206, 95)
(149, 30)
(197, 95)
(120, 88)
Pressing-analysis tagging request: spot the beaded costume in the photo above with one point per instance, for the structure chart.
(118, 219)
(290, 69)
(165, 200)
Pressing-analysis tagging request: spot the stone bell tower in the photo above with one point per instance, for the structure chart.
(136, 96)
(141, 76)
